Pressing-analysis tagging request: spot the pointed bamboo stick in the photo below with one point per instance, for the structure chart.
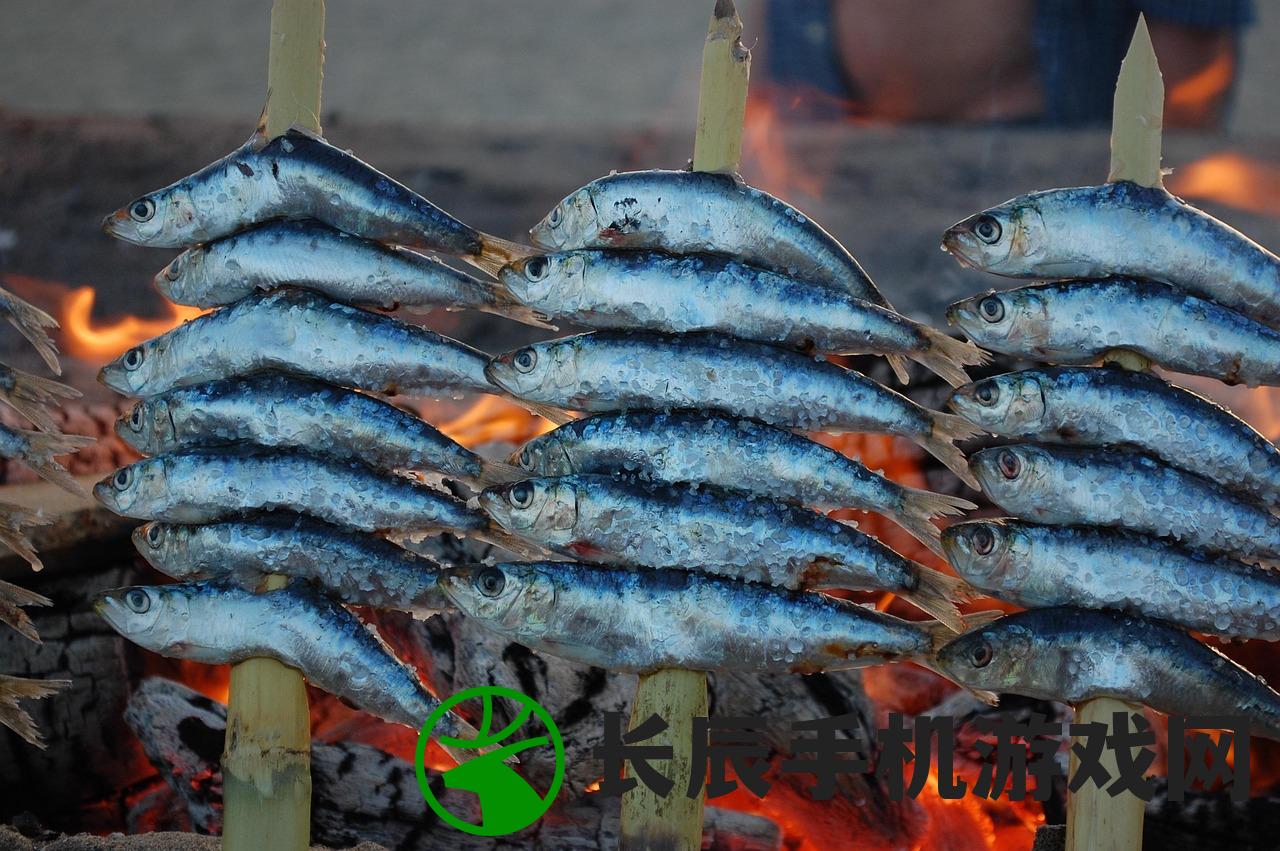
(266, 765)
(1096, 821)
(674, 823)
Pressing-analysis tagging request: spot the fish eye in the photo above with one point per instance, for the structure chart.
(491, 581)
(535, 268)
(991, 308)
(981, 655)
(521, 495)
(526, 459)
(983, 541)
(986, 392)
(555, 217)
(987, 228)
(138, 600)
(123, 478)
(1010, 464)
(142, 210)
(134, 358)
(525, 360)
(174, 270)
(155, 534)
(135, 417)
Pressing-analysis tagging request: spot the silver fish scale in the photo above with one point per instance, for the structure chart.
(1110, 487)
(299, 332)
(303, 414)
(1033, 565)
(645, 619)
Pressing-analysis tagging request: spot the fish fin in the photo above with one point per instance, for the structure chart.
(499, 473)
(948, 428)
(559, 416)
(12, 598)
(505, 304)
(14, 522)
(526, 550)
(43, 446)
(990, 698)
(31, 322)
(32, 395)
(898, 363)
(936, 593)
(13, 689)
(918, 509)
(496, 252)
(946, 356)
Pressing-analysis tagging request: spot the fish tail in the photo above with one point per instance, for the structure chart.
(13, 689)
(918, 509)
(936, 594)
(898, 363)
(31, 322)
(12, 598)
(940, 443)
(505, 304)
(43, 446)
(496, 252)
(559, 416)
(32, 396)
(526, 550)
(499, 473)
(946, 356)
(14, 523)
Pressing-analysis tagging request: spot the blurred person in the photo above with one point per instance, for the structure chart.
(1051, 62)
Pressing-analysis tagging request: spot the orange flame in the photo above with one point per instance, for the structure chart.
(495, 420)
(87, 340)
(1205, 88)
(1240, 181)
(765, 159)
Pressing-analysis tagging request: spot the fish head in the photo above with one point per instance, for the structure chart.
(519, 597)
(167, 548)
(1003, 404)
(543, 505)
(1012, 474)
(1006, 240)
(131, 491)
(166, 218)
(542, 281)
(996, 657)
(545, 455)
(148, 427)
(130, 373)
(572, 222)
(982, 551)
(155, 617)
(190, 275)
(539, 372)
(1013, 320)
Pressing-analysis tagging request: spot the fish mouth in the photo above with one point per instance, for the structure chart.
(955, 240)
(957, 314)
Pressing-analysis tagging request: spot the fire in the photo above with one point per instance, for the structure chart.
(87, 340)
(1235, 179)
(765, 159)
(1190, 100)
(494, 420)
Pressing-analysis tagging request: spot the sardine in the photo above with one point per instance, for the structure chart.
(1077, 655)
(653, 291)
(1125, 229)
(303, 414)
(12, 599)
(695, 212)
(1112, 487)
(33, 396)
(610, 521)
(618, 370)
(355, 568)
(1105, 407)
(643, 620)
(219, 624)
(1032, 565)
(298, 175)
(37, 449)
(684, 446)
(13, 716)
(16, 522)
(343, 267)
(31, 322)
(1077, 322)
(302, 333)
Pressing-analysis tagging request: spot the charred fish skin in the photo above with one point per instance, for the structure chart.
(620, 370)
(294, 175)
(1106, 407)
(1075, 655)
(220, 623)
(1077, 322)
(691, 212)
(300, 333)
(1110, 487)
(684, 446)
(1036, 566)
(612, 521)
(1121, 228)
(653, 291)
(643, 620)
(358, 569)
(304, 414)
(206, 485)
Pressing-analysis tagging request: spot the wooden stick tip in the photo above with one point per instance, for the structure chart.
(725, 10)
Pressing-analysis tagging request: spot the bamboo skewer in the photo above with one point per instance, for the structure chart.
(1097, 821)
(266, 765)
(674, 822)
